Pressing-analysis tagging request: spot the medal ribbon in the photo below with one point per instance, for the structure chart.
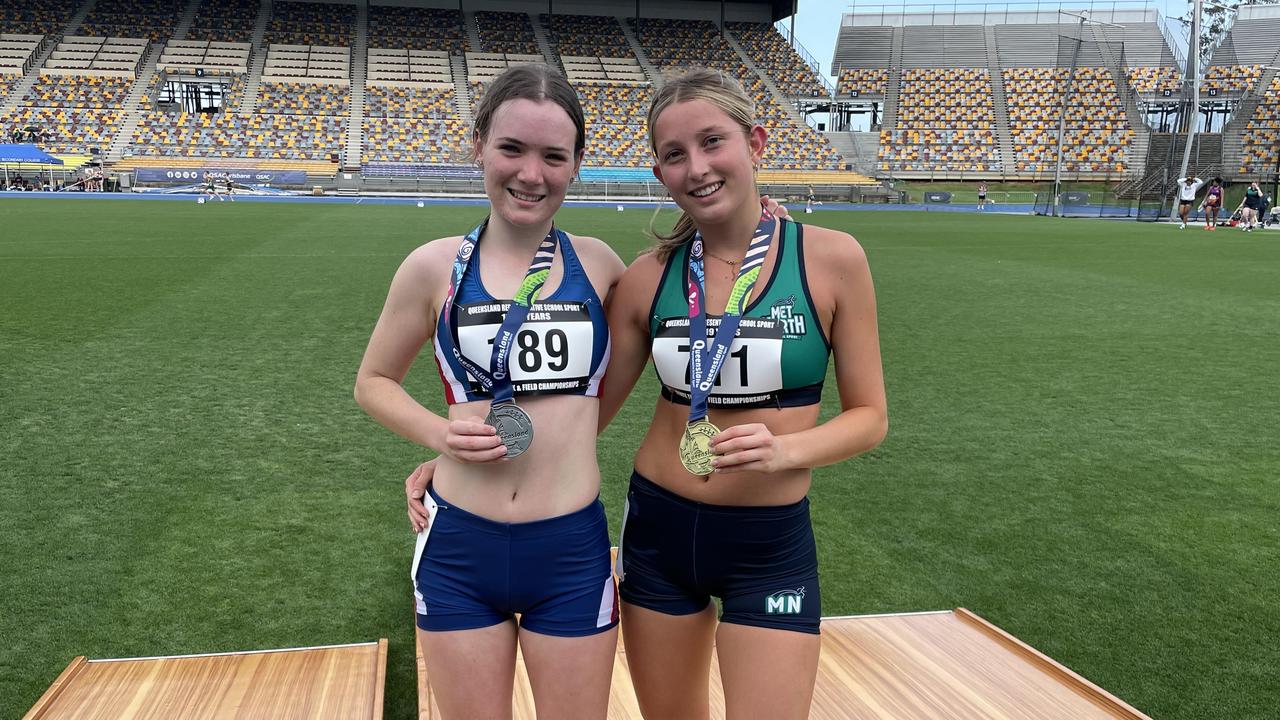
(707, 356)
(496, 379)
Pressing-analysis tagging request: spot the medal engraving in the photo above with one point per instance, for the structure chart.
(514, 427)
(695, 450)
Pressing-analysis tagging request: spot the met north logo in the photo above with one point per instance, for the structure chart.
(792, 322)
(784, 602)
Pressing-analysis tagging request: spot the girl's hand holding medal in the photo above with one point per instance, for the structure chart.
(473, 441)
(749, 448)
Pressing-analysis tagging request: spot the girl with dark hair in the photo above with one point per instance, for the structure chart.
(1212, 204)
(741, 312)
(512, 523)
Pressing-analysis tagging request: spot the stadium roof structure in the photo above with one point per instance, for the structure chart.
(866, 31)
(998, 13)
(778, 9)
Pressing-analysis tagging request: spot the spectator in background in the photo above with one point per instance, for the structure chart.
(211, 187)
(810, 200)
(1212, 204)
(1252, 205)
(1186, 195)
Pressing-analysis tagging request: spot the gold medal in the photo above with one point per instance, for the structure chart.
(695, 450)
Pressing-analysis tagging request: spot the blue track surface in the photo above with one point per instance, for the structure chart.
(1002, 209)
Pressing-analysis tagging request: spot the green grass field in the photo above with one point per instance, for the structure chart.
(1082, 446)
(1004, 192)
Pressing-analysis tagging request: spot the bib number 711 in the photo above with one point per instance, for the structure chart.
(740, 355)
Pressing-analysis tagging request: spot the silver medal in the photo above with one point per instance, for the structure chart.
(514, 427)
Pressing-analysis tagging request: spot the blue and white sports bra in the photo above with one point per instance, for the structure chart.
(562, 348)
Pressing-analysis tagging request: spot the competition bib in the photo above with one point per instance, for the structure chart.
(752, 370)
(552, 349)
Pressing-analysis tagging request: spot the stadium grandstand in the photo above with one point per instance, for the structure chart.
(361, 95)
(336, 90)
(995, 92)
(988, 93)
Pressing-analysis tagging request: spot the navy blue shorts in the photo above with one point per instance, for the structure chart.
(471, 572)
(676, 554)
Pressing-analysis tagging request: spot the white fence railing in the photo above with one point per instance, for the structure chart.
(806, 57)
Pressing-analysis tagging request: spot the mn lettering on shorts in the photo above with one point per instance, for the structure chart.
(676, 554)
(470, 572)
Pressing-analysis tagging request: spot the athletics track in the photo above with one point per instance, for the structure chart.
(1003, 209)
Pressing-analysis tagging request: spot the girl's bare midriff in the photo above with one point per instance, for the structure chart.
(557, 475)
(659, 460)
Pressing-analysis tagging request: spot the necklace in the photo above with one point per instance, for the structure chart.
(730, 263)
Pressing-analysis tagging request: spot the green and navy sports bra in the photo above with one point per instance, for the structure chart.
(778, 357)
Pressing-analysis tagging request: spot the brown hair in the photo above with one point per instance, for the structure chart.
(531, 82)
(720, 90)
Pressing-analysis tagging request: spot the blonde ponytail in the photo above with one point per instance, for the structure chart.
(665, 245)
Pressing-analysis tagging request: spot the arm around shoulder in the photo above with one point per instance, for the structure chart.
(628, 308)
(602, 264)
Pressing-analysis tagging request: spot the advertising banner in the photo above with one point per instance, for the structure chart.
(183, 176)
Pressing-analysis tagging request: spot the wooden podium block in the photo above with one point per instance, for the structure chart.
(342, 682)
(947, 665)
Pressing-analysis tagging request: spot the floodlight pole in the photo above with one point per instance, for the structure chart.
(1066, 97)
(1062, 116)
(795, 8)
(1193, 106)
